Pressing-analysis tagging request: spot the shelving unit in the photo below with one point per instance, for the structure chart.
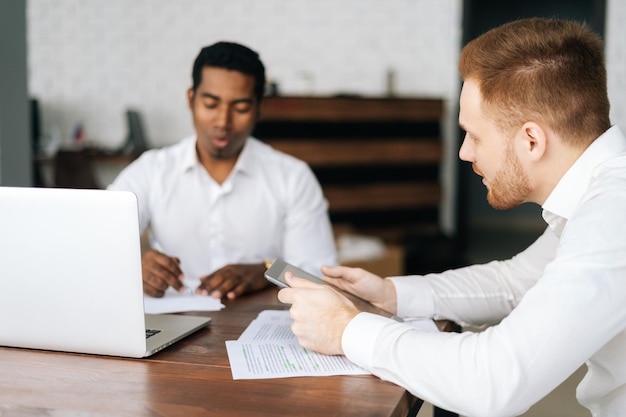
(377, 159)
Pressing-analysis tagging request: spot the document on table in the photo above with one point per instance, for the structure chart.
(174, 302)
(269, 349)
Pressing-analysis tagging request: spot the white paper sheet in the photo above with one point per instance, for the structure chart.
(174, 302)
(269, 349)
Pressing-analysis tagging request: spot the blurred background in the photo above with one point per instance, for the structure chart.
(71, 69)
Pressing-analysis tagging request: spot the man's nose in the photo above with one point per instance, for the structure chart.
(466, 152)
(222, 117)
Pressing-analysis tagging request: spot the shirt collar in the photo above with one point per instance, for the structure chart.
(570, 189)
(245, 159)
(189, 157)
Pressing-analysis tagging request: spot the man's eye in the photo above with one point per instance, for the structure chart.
(242, 108)
(210, 104)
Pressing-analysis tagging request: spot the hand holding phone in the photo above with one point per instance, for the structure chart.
(276, 275)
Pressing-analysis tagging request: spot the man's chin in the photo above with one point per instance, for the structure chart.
(218, 154)
(500, 204)
(223, 153)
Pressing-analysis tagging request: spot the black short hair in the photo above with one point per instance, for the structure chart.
(234, 57)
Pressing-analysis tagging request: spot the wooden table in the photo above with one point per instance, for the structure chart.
(190, 378)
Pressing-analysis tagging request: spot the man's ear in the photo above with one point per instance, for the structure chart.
(190, 94)
(534, 140)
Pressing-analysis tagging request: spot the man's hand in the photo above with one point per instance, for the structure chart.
(320, 314)
(370, 287)
(159, 272)
(232, 281)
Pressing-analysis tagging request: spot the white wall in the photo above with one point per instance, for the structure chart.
(90, 60)
(615, 46)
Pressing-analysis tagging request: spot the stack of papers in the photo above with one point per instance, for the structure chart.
(175, 302)
(269, 349)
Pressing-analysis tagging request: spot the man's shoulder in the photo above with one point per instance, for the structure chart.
(170, 152)
(181, 146)
(609, 176)
(266, 152)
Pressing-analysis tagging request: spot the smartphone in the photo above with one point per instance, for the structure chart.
(276, 275)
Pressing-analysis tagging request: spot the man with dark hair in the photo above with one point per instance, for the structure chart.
(535, 110)
(219, 203)
(233, 57)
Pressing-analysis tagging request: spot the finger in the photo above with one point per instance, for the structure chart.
(210, 282)
(233, 280)
(297, 282)
(227, 289)
(219, 283)
(152, 291)
(238, 290)
(334, 271)
(167, 270)
(161, 271)
(342, 276)
(285, 295)
(151, 277)
(292, 295)
(170, 264)
(163, 278)
(236, 286)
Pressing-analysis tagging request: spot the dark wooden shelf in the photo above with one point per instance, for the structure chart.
(345, 109)
(377, 159)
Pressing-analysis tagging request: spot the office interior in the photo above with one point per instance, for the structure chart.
(88, 63)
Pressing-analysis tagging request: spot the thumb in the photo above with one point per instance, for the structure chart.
(297, 282)
(336, 271)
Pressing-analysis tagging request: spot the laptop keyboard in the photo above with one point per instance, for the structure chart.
(150, 332)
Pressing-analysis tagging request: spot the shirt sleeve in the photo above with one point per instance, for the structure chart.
(136, 178)
(574, 310)
(308, 236)
(476, 295)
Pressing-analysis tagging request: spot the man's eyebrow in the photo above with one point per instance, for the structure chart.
(247, 100)
(235, 101)
(209, 95)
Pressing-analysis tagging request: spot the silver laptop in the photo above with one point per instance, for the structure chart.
(70, 275)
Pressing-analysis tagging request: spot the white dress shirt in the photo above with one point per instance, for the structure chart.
(553, 307)
(270, 206)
